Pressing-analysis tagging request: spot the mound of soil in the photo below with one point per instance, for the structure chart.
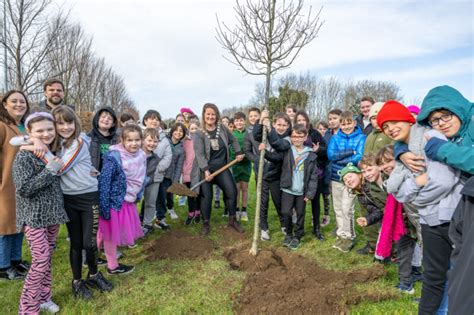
(228, 236)
(280, 282)
(178, 244)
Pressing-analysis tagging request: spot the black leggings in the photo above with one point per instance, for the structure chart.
(316, 204)
(226, 183)
(83, 213)
(193, 202)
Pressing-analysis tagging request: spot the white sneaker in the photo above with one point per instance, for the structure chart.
(173, 214)
(237, 215)
(50, 307)
(283, 230)
(182, 201)
(294, 217)
(243, 216)
(265, 236)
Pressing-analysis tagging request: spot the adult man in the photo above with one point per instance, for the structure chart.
(363, 120)
(53, 90)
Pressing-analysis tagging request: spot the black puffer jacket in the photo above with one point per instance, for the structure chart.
(99, 143)
(273, 159)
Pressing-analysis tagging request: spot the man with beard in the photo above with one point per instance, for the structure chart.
(53, 90)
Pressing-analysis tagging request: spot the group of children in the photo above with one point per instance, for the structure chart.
(93, 182)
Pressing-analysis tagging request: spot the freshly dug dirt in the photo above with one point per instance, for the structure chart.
(280, 282)
(228, 236)
(178, 244)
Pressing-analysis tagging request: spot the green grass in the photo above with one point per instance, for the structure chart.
(200, 286)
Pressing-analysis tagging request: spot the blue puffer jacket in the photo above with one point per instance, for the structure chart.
(343, 149)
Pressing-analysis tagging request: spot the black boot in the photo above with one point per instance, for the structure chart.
(80, 290)
(206, 228)
(235, 225)
(99, 282)
(317, 233)
(366, 250)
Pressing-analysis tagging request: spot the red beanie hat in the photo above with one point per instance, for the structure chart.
(394, 111)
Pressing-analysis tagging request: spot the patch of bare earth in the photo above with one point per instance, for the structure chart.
(179, 244)
(281, 282)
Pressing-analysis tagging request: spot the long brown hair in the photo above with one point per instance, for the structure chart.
(5, 116)
(214, 108)
(63, 113)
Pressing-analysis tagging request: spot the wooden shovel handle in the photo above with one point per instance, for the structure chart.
(223, 168)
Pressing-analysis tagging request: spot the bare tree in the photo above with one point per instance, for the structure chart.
(380, 91)
(30, 30)
(267, 38)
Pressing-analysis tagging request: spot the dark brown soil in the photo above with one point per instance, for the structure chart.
(280, 282)
(228, 236)
(178, 244)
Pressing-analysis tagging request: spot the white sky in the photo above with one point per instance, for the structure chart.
(167, 53)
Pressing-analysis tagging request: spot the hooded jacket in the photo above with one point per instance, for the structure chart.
(165, 156)
(99, 143)
(437, 199)
(176, 166)
(458, 152)
(343, 149)
(376, 140)
(273, 158)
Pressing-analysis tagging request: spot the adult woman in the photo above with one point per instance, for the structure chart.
(13, 112)
(211, 147)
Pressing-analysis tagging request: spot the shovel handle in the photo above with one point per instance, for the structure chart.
(223, 168)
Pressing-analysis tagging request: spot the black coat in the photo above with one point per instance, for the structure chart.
(360, 122)
(461, 276)
(273, 158)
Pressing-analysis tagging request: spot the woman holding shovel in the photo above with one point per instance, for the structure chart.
(211, 147)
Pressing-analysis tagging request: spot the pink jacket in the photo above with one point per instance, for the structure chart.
(392, 228)
(188, 159)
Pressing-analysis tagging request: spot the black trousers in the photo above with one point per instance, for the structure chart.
(288, 202)
(437, 248)
(316, 204)
(83, 213)
(405, 248)
(194, 203)
(270, 188)
(226, 183)
(161, 200)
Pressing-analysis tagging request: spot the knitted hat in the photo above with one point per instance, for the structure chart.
(414, 109)
(394, 111)
(349, 168)
(186, 110)
(375, 109)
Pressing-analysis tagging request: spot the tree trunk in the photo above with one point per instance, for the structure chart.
(258, 205)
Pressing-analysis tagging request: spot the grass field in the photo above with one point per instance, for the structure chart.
(199, 286)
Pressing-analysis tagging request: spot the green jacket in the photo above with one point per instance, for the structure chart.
(376, 140)
(245, 163)
(459, 151)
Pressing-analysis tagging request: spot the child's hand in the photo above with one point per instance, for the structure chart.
(261, 147)
(306, 199)
(414, 162)
(315, 147)
(39, 148)
(362, 221)
(421, 180)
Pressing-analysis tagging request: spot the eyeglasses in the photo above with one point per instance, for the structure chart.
(445, 117)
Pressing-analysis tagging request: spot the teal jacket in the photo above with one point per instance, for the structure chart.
(458, 152)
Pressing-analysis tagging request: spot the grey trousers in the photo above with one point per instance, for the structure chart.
(151, 193)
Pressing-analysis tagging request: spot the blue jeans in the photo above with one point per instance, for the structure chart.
(10, 249)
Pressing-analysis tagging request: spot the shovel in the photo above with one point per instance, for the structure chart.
(182, 190)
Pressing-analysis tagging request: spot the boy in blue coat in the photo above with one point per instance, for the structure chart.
(346, 146)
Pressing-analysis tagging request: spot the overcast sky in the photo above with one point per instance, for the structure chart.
(167, 53)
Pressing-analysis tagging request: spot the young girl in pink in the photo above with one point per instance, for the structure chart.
(194, 214)
(121, 184)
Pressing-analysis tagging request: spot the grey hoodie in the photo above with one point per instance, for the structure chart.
(437, 200)
(164, 153)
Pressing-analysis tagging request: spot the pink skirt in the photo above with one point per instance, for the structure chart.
(123, 228)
